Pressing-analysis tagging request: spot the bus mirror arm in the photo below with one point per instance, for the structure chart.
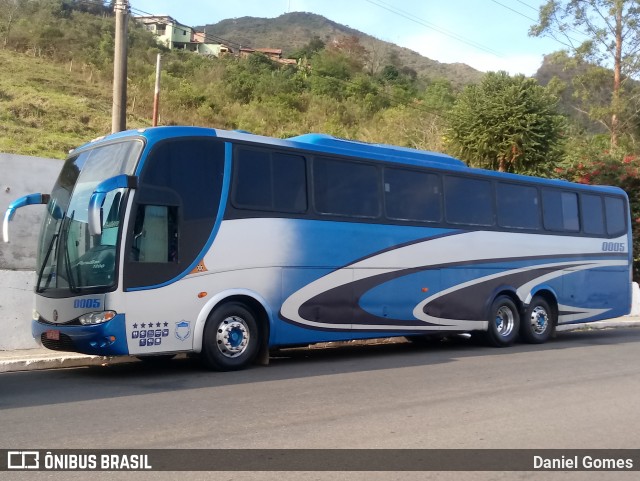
(31, 199)
(100, 194)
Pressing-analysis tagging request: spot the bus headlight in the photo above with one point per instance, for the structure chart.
(92, 318)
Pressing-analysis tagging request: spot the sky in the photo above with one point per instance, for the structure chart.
(488, 35)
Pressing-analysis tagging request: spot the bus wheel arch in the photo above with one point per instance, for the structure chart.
(540, 318)
(234, 333)
(503, 320)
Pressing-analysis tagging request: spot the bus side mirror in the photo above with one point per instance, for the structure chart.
(100, 194)
(31, 199)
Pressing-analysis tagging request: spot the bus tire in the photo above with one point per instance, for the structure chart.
(504, 322)
(231, 338)
(538, 323)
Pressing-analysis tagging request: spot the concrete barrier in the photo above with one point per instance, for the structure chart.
(635, 304)
(16, 301)
(21, 175)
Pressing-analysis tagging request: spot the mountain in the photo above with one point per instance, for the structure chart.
(291, 31)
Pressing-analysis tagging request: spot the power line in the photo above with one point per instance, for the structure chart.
(515, 11)
(527, 5)
(432, 26)
(556, 31)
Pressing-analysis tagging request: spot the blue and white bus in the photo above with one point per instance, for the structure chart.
(190, 240)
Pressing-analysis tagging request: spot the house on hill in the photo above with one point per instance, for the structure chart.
(173, 35)
(169, 31)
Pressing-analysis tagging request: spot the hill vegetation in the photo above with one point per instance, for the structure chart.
(59, 54)
(292, 31)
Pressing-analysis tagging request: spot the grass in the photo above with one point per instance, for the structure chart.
(46, 109)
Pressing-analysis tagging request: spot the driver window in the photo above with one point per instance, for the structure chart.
(155, 234)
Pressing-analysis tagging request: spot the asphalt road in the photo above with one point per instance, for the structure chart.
(580, 390)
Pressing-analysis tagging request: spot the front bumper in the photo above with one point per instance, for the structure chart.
(106, 339)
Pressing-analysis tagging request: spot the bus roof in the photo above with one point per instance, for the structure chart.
(353, 147)
(327, 144)
(321, 143)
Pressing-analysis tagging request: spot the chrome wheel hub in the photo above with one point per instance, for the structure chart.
(539, 320)
(504, 321)
(233, 336)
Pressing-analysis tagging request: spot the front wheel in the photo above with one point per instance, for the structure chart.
(231, 338)
(504, 322)
(538, 323)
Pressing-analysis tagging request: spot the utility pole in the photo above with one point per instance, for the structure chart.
(156, 95)
(119, 110)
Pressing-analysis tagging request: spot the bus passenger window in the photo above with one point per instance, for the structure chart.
(468, 201)
(346, 188)
(560, 210)
(412, 195)
(518, 206)
(616, 215)
(270, 181)
(592, 214)
(155, 237)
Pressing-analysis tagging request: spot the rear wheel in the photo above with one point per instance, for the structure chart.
(504, 322)
(538, 323)
(231, 338)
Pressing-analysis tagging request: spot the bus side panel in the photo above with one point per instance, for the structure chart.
(337, 313)
(396, 299)
(594, 294)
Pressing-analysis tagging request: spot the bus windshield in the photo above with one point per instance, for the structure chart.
(69, 259)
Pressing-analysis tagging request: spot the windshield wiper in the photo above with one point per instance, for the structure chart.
(67, 260)
(44, 263)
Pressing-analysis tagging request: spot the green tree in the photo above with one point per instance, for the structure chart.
(613, 40)
(331, 70)
(10, 12)
(390, 73)
(438, 96)
(508, 124)
(314, 46)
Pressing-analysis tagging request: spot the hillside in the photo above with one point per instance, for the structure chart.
(45, 110)
(292, 31)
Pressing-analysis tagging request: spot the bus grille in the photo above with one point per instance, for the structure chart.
(63, 344)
